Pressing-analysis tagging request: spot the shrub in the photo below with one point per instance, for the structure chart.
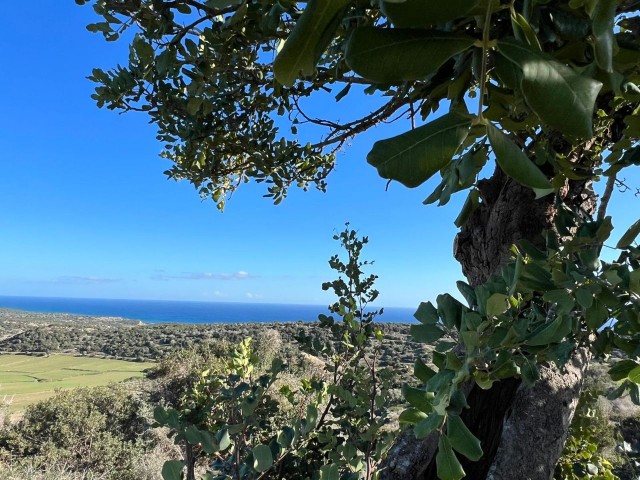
(85, 429)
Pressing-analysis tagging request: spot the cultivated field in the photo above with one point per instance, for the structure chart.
(27, 379)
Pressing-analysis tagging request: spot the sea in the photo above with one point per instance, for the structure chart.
(165, 311)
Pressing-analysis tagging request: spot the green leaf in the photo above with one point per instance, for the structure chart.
(497, 304)
(426, 333)
(308, 40)
(461, 438)
(629, 236)
(414, 156)
(262, 458)
(224, 439)
(529, 372)
(286, 436)
(222, 3)
(426, 313)
(596, 314)
(422, 371)
(423, 13)
(560, 96)
(447, 464)
(417, 398)
(329, 472)
(428, 425)
(468, 292)
(622, 369)
(634, 375)
(172, 470)
(552, 332)
(450, 310)
(515, 163)
(520, 24)
(385, 55)
(603, 15)
(411, 416)
(472, 202)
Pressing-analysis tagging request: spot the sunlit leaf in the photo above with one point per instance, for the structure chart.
(387, 55)
(414, 156)
(262, 458)
(559, 95)
(308, 40)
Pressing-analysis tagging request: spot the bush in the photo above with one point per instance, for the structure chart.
(87, 429)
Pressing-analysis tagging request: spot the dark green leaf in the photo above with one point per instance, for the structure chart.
(308, 40)
(468, 292)
(529, 372)
(622, 369)
(422, 371)
(222, 3)
(417, 398)
(426, 313)
(552, 332)
(428, 425)
(461, 438)
(629, 236)
(603, 15)
(560, 96)
(329, 472)
(470, 205)
(426, 333)
(262, 458)
(422, 13)
(450, 310)
(286, 436)
(596, 314)
(385, 55)
(414, 156)
(447, 464)
(515, 163)
(172, 470)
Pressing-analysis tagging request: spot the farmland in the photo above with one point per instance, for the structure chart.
(26, 379)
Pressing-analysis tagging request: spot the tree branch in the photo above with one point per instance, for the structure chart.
(606, 196)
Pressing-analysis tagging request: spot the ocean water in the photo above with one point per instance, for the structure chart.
(156, 311)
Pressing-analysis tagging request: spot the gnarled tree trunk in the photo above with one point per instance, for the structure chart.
(522, 429)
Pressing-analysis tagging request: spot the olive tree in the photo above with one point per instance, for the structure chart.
(540, 100)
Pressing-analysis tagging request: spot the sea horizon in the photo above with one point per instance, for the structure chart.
(185, 311)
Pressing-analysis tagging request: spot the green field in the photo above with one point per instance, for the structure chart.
(27, 379)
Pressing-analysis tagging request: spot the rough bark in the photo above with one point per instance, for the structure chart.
(522, 430)
(538, 424)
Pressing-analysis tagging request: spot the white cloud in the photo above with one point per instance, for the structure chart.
(240, 275)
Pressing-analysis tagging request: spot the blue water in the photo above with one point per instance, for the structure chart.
(184, 312)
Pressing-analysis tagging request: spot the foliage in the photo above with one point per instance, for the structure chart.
(582, 456)
(337, 427)
(555, 84)
(97, 430)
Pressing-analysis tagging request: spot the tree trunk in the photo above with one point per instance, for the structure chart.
(522, 430)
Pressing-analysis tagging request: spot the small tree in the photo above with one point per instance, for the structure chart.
(340, 426)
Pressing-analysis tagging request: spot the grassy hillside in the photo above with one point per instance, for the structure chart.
(27, 379)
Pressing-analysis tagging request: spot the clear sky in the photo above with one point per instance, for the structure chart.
(87, 212)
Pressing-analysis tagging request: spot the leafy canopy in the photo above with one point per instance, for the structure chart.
(553, 86)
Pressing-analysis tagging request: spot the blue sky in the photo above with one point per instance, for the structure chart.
(87, 212)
